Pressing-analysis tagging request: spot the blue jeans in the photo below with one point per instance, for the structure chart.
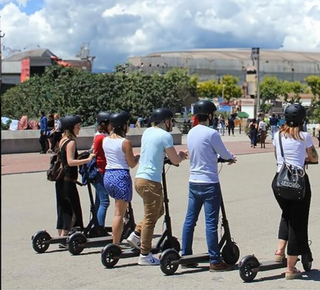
(102, 199)
(209, 195)
(274, 129)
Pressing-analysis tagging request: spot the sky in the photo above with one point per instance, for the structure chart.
(117, 29)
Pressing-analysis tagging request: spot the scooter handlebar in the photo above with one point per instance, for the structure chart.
(168, 161)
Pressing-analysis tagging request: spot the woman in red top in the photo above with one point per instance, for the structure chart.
(102, 198)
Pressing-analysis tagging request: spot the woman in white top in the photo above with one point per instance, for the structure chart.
(117, 179)
(293, 228)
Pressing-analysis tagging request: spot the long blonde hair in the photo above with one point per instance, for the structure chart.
(291, 132)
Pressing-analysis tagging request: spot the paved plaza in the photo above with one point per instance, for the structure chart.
(28, 205)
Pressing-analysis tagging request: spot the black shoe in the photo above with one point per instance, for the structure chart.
(42, 152)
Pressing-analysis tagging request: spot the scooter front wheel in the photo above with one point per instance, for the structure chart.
(110, 255)
(169, 261)
(248, 268)
(231, 253)
(76, 243)
(40, 241)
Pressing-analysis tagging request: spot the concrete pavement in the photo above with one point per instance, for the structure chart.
(28, 205)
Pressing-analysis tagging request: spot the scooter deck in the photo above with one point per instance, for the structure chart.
(189, 259)
(97, 242)
(269, 265)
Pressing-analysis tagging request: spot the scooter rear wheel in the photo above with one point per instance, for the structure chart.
(246, 268)
(40, 241)
(75, 243)
(231, 253)
(306, 261)
(110, 255)
(166, 261)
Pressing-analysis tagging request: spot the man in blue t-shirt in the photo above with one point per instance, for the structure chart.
(204, 146)
(156, 142)
(273, 124)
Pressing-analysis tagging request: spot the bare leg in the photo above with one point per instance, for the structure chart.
(117, 224)
(291, 263)
(281, 246)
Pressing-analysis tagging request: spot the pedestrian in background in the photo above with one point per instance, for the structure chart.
(43, 132)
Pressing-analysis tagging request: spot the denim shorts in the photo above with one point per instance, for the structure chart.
(118, 184)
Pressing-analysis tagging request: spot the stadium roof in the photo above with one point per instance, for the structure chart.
(242, 54)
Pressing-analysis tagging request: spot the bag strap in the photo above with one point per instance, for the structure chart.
(281, 148)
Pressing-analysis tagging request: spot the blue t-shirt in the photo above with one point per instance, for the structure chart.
(153, 144)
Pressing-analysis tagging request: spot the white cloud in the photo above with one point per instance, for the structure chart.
(119, 28)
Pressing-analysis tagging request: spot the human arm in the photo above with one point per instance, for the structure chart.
(70, 150)
(132, 160)
(175, 157)
(312, 155)
(220, 148)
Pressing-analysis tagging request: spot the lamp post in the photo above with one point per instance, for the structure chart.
(255, 55)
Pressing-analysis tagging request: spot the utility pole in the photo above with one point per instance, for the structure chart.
(1, 35)
(255, 55)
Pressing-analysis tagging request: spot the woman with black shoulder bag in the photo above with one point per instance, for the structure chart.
(293, 148)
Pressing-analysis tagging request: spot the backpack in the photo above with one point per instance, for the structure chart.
(56, 170)
(88, 171)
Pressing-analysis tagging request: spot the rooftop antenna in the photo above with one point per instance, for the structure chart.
(84, 53)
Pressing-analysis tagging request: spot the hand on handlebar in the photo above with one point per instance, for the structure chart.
(183, 154)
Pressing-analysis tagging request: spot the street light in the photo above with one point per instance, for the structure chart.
(255, 56)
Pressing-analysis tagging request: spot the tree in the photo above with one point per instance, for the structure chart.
(228, 88)
(313, 82)
(270, 88)
(208, 89)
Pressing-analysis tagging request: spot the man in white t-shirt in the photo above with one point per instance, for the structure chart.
(204, 146)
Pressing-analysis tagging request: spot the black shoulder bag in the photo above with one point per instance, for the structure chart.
(290, 180)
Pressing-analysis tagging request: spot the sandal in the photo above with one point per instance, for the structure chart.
(279, 256)
(293, 274)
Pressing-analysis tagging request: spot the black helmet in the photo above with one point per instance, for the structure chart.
(161, 114)
(294, 115)
(119, 119)
(68, 122)
(103, 117)
(204, 107)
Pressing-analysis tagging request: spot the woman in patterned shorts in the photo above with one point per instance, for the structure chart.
(117, 179)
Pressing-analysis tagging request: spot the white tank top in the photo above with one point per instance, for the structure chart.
(116, 159)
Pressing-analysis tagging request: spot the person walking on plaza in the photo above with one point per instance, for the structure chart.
(253, 128)
(263, 131)
(117, 179)
(43, 132)
(102, 198)
(293, 227)
(204, 146)
(68, 202)
(273, 125)
(56, 132)
(222, 124)
(156, 142)
(231, 125)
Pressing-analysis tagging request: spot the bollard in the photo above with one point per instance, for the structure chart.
(314, 132)
(240, 128)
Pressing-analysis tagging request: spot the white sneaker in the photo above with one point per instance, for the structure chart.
(134, 241)
(148, 260)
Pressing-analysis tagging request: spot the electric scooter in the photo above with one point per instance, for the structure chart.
(41, 240)
(249, 266)
(170, 258)
(111, 253)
